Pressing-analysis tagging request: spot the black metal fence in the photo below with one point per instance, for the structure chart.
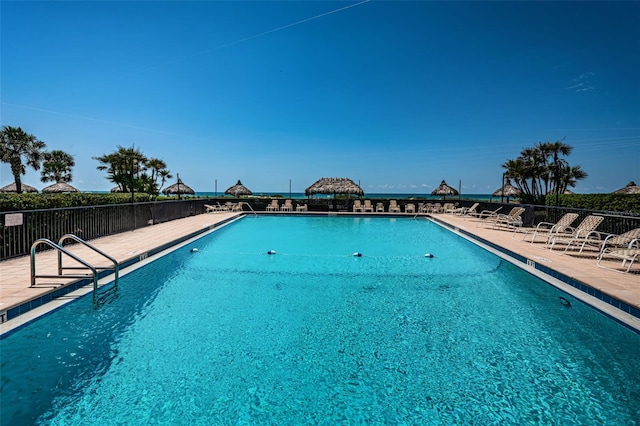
(19, 229)
(613, 223)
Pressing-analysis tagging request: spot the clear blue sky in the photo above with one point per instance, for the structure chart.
(396, 95)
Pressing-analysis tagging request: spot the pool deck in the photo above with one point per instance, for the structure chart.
(131, 248)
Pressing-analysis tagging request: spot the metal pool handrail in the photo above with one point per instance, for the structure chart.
(251, 208)
(116, 265)
(68, 253)
(60, 250)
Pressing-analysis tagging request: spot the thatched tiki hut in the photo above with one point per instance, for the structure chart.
(13, 188)
(238, 190)
(631, 188)
(178, 188)
(59, 187)
(334, 186)
(507, 190)
(444, 190)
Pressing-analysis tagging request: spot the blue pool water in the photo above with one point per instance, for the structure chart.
(314, 335)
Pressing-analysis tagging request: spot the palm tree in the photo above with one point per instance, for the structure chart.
(515, 169)
(540, 170)
(570, 177)
(16, 145)
(123, 166)
(57, 166)
(158, 171)
(144, 183)
(164, 176)
(533, 164)
(551, 152)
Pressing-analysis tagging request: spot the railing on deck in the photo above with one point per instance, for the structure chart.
(19, 229)
(613, 223)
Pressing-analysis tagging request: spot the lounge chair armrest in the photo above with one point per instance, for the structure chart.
(593, 235)
(487, 213)
(545, 225)
(608, 237)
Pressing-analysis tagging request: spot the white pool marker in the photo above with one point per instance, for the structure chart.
(429, 255)
(193, 250)
(357, 254)
(271, 252)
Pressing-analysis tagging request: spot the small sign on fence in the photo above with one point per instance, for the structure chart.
(13, 219)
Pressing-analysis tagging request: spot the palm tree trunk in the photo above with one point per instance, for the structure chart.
(16, 170)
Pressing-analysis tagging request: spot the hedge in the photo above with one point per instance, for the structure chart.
(628, 203)
(13, 202)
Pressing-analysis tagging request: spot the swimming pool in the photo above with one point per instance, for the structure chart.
(313, 334)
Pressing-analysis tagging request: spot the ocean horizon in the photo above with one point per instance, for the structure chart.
(373, 195)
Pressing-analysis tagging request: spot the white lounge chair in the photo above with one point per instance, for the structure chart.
(287, 206)
(621, 241)
(357, 206)
(484, 213)
(393, 206)
(626, 255)
(630, 254)
(436, 208)
(511, 220)
(549, 229)
(585, 231)
(213, 209)
(449, 208)
(301, 208)
(461, 211)
(273, 207)
(379, 208)
(368, 207)
(625, 247)
(410, 208)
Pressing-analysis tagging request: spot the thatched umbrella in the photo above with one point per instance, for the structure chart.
(334, 186)
(238, 189)
(12, 188)
(631, 188)
(444, 190)
(178, 188)
(507, 190)
(59, 188)
(116, 189)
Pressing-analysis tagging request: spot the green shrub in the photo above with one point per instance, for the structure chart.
(12, 202)
(628, 203)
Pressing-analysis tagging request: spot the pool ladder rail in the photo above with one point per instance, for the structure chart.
(94, 270)
(251, 208)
